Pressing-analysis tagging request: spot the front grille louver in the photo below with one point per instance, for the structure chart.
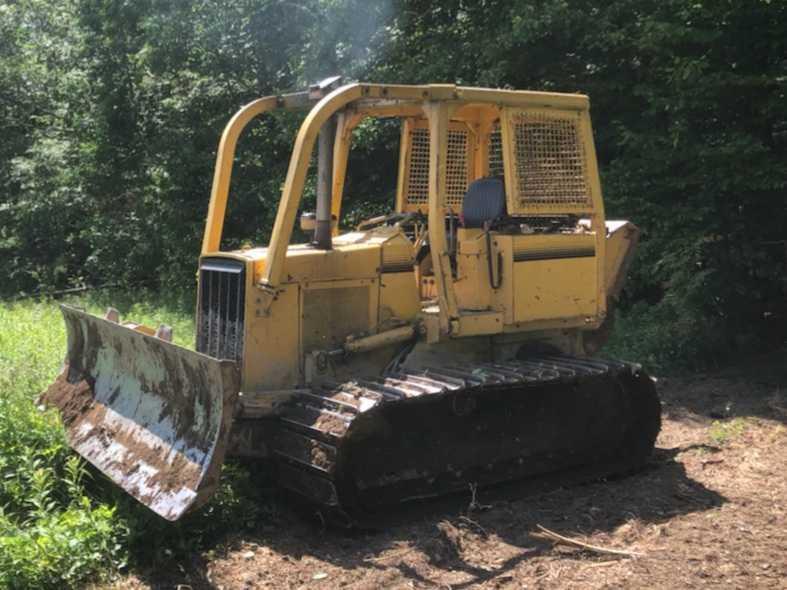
(221, 308)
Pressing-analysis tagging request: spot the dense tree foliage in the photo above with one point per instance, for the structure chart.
(110, 113)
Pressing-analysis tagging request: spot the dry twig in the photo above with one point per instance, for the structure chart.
(552, 535)
(473, 523)
(381, 558)
(711, 462)
(474, 505)
(604, 563)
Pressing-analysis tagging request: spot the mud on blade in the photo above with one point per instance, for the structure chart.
(153, 416)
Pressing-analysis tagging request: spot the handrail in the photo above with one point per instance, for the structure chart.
(225, 156)
(296, 176)
(330, 104)
(211, 241)
(430, 97)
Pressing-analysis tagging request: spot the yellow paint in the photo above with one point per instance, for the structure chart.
(217, 208)
(439, 114)
(472, 285)
(398, 297)
(479, 323)
(545, 290)
(352, 304)
(299, 299)
(271, 351)
(341, 151)
(296, 176)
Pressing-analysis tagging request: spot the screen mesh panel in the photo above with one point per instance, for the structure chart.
(550, 165)
(418, 169)
(457, 168)
(496, 151)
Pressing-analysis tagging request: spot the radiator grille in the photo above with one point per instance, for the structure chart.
(221, 308)
(550, 160)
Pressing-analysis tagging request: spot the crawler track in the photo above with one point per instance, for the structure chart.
(356, 447)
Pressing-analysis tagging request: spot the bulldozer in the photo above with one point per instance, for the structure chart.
(447, 343)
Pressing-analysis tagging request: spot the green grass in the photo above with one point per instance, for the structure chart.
(665, 338)
(61, 522)
(721, 432)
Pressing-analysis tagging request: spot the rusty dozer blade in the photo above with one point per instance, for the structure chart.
(153, 416)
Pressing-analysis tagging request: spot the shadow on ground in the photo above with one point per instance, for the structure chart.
(425, 542)
(445, 533)
(756, 387)
(437, 529)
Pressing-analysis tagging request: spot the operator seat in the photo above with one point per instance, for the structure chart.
(484, 202)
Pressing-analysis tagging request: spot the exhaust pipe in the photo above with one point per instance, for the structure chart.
(323, 233)
(323, 230)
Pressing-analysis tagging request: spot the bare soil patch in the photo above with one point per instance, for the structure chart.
(709, 510)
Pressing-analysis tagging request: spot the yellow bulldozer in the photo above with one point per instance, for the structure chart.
(446, 344)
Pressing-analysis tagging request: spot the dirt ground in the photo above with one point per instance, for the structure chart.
(709, 510)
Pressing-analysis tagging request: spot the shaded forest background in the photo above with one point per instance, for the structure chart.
(110, 114)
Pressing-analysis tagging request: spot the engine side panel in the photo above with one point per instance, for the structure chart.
(273, 342)
(537, 280)
(364, 285)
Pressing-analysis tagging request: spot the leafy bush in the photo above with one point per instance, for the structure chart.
(665, 337)
(60, 546)
(111, 115)
(51, 530)
(62, 522)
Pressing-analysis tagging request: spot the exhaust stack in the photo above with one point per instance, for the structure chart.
(323, 233)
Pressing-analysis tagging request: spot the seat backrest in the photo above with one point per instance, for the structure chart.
(485, 201)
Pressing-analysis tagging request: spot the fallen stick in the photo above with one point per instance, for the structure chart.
(574, 543)
(474, 505)
(478, 527)
(381, 558)
(604, 563)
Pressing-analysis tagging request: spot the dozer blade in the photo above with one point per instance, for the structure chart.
(153, 416)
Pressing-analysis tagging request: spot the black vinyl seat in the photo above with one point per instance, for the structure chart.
(484, 202)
